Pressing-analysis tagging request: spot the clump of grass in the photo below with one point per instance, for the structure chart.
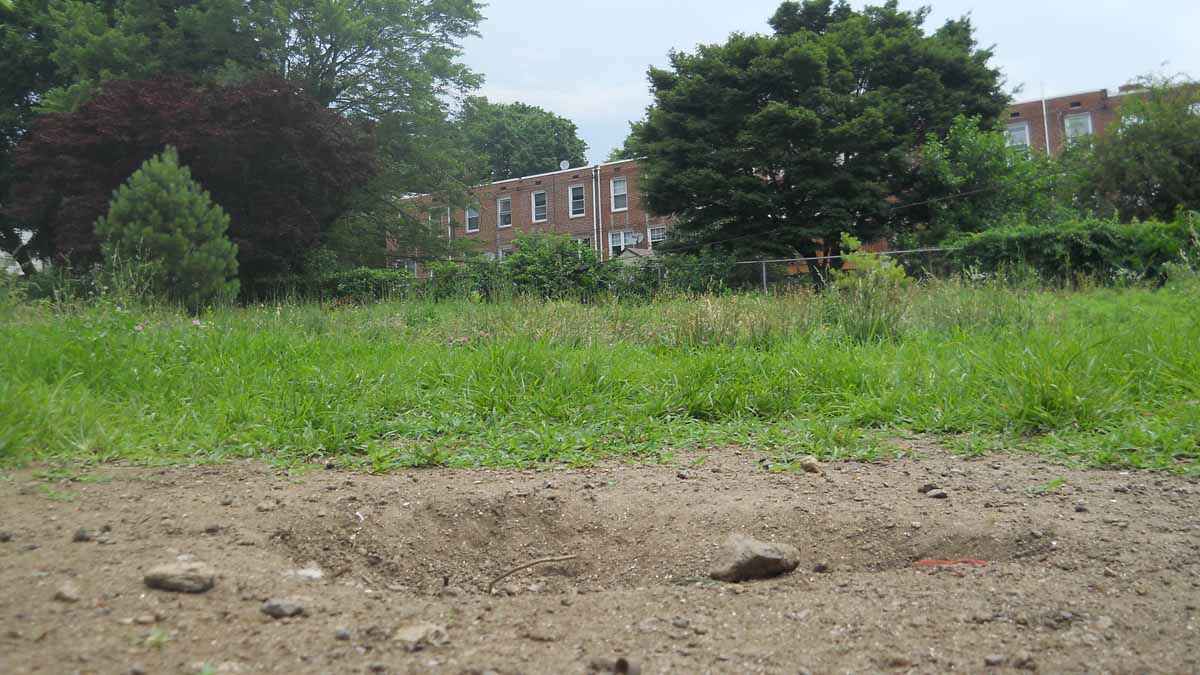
(1103, 377)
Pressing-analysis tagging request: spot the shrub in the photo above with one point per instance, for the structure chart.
(554, 266)
(1096, 249)
(162, 217)
(868, 297)
(366, 284)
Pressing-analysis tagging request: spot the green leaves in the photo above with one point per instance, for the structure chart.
(777, 144)
(515, 139)
(162, 217)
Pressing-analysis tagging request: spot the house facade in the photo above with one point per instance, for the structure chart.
(1047, 125)
(600, 206)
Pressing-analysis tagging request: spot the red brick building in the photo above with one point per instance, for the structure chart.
(1050, 123)
(600, 206)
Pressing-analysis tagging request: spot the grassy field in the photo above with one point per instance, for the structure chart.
(1104, 377)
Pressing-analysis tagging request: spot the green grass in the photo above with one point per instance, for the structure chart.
(1101, 377)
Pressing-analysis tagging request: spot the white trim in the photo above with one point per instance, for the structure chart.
(612, 194)
(467, 219)
(545, 206)
(571, 201)
(1067, 125)
(500, 213)
(1008, 134)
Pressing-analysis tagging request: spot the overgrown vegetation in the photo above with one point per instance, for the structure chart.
(1103, 377)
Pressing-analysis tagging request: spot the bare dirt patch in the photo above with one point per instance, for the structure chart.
(1085, 571)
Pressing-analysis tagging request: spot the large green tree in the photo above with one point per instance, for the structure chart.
(776, 144)
(516, 139)
(1148, 166)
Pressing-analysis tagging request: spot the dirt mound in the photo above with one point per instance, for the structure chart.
(1022, 565)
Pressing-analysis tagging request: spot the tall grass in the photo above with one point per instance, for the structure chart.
(1103, 377)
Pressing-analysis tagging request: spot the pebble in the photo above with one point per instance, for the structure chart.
(810, 464)
(144, 619)
(1081, 508)
(1024, 661)
(927, 488)
(266, 506)
(683, 475)
(341, 634)
(821, 568)
(6, 537)
(137, 670)
(82, 535)
(993, 660)
(937, 494)
(68, 592)
(227, 501)
(181, 577)
(417, 636)
(743, 559)
(279, 608)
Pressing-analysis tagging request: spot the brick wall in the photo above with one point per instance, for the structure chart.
(491, 238)
(1099, 106)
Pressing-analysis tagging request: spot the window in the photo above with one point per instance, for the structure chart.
(407, 264)
(1079, 126)
(505, 252)
(504, 209)
(619, 241)
(1017, 135)
(585, 242)
(620, 194)
(578, 204)
(657, 234)
(472, 219)
(1195, 108)
(538, 199)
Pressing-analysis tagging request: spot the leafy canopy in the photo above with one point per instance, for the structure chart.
(776, 144)
(516, 139)
(163, 217)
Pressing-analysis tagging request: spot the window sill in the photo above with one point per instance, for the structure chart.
(620, 210)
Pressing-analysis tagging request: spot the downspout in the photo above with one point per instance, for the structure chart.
(1046, 122)
(596, 210)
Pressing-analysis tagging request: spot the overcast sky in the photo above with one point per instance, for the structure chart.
(587, 59)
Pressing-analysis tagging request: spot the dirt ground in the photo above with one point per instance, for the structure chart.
(1085, 571)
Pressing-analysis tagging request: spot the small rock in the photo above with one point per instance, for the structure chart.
(144, 619)
(279, 608)
(1081, 508)
(1024, 661)
(342, 634)
(743, 559)
(680, 622)
(417, 636)
(213, 529)
(182, 577)
(137, 670)
(68, 592)
(6, 537)
(268, 505)
(993, 660)
(82, 535)
(821, 568)
(810, 464)
(621, 666)
(937, 494)
(227, 501)
(683, 475)
(927, 488)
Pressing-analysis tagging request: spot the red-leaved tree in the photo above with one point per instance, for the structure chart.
(280, 164)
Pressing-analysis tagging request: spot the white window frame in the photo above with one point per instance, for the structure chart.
(658, 228)
(545, 206)
(582, 201)
(612, 193)
(1008, 135)
(501, 213)
(628, 239)
(1067, 125)
(470, 210)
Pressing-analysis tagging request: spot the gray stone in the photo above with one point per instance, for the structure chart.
(68, 592)
(341, 634)
(993, 660)
(279, 608)
(268, 505)
(182, 577)
(82, 535)
(417, 636)
(810, 464)
(937, 494)
(743, 559)
(6, 537)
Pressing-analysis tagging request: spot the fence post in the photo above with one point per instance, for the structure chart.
(764, 277)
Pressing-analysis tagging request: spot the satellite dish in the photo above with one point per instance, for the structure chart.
(564, 165)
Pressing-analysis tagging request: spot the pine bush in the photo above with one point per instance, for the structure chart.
(162, 217)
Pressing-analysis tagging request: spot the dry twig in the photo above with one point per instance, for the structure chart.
(539, 561)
